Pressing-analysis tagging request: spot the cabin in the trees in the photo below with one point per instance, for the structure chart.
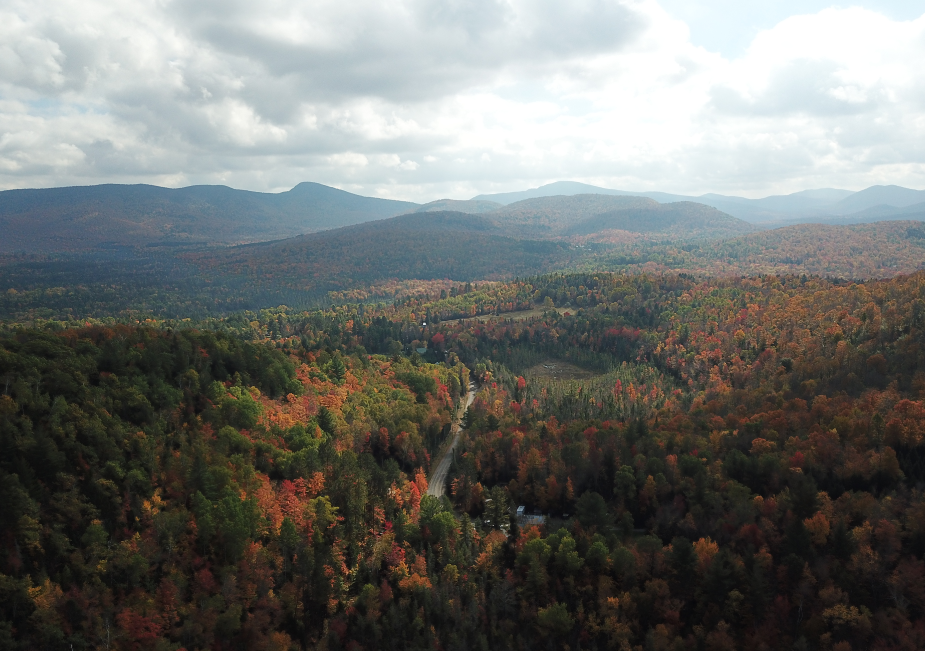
(529, 519)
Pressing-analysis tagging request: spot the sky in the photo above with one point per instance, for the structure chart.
(425, 99)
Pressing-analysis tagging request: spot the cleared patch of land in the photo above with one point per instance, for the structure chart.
(520, 315)
(555, 369)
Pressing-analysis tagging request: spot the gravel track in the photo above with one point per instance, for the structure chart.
(436, 483)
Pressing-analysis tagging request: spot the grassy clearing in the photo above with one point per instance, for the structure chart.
(555, 369)
(520, 315)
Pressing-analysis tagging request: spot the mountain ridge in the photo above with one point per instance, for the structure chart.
(471, 206)
(424, 245)
(771, 208)
(889, 195)
(695, 220)
(587, 214)
(86, 218)
(805, 206)
(83, 219)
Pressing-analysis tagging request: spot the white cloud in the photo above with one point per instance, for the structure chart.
(490, 94)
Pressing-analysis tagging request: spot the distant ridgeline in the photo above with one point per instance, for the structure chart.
(106, 217)
(827, 205)
(69, 253)
(80, 219)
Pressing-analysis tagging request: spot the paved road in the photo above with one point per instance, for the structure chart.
(436, 483)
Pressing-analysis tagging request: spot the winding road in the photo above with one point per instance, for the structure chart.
(436, 483)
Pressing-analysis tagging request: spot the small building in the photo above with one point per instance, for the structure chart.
(525, 519)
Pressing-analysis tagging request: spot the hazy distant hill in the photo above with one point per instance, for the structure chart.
(79, 219)
(559, 188)
(680, 220)
(107, 217)
(471, 206)
(518, 239)
(879, 213)
(878, 195)
(428, 245)
(546, 217)
(586, 214)
(805, 204)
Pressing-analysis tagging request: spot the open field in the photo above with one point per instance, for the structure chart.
(554, 369)
(520, 315)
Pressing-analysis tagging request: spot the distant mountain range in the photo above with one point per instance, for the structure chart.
(472, 206)
(116, 217)
(589, 214)
(825, 205)
(597, 233)
(522, 238)
(79, 219)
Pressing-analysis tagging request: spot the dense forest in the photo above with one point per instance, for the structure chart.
(722, 464)
(389, 259)
(857, 252)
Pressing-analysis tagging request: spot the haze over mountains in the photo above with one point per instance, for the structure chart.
(825, 205)
(218, 248)
(472, 206)
(211, 249)
(588, 214)
(524, 238)
(93, 218)
(79, 219)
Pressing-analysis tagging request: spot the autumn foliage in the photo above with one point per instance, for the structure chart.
(742, 467)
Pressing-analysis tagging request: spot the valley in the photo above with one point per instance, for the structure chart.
(462, 326)
(583, 421)
(685, 444)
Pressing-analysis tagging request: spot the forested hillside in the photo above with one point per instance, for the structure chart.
(103, 217)
(875, 250)
(185, 489)
(553, 216)
(682, 220)
(425, 246)
(130, 251)
(586, 214)
(723, 464)
(384, 259)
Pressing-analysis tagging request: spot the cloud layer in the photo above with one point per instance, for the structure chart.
(421, 99)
